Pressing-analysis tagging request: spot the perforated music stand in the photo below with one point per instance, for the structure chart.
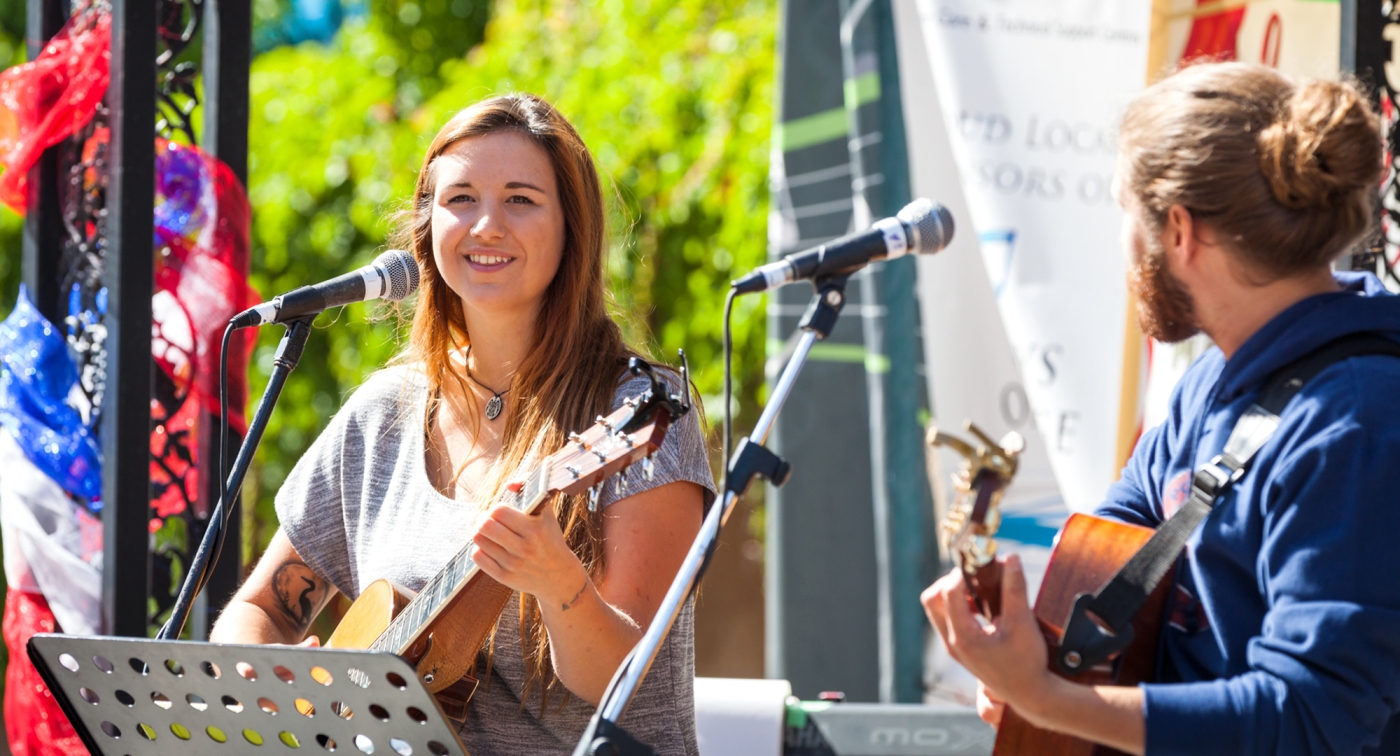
(131, 697)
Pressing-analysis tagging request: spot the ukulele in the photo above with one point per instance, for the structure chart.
(1088, 552)
(441, 627)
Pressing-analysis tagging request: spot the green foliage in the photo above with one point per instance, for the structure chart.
(11, 225)
(674, 98)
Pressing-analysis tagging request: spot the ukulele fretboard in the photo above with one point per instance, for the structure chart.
(435, 595)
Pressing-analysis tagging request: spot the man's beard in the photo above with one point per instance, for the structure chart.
(1165, 311)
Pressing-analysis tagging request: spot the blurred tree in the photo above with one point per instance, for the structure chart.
(674, 98)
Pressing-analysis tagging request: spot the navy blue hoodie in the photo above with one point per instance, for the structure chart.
(1283, 629)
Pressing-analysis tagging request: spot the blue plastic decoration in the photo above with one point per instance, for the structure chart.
(36, 378)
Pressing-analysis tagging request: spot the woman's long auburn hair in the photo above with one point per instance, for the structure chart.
(571, 370)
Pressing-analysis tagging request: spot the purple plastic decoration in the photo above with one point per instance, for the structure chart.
(185, 200)
(36, 378)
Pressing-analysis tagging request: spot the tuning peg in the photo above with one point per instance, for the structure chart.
(574, 471)
(622, 483)
(576, 438)
(648, 469)
(593, 494)
(1013, 443)
(603, 421)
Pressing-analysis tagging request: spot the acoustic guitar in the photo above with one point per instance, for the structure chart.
(1088, 552)
(441, 628)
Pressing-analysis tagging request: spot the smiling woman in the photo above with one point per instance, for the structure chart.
(497, 224)
(511, 349)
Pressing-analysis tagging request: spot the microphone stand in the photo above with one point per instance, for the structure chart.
(288, 354)
(603, 736)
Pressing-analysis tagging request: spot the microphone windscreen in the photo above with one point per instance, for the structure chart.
(401, 270)
(932, 223)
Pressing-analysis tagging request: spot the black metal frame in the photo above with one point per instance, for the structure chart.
(126, 421)
(43, 224)
(228, 54)
(1365, 53)
(147, 82)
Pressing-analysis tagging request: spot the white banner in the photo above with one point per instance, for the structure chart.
(1031, 92)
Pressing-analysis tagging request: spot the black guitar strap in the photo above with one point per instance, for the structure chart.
(1090, 640)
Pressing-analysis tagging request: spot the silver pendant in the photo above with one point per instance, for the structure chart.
(493, 407)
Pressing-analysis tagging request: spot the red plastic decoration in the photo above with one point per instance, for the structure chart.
(49, 98)
(34, 721)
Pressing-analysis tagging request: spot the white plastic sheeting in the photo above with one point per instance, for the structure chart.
(52, 546)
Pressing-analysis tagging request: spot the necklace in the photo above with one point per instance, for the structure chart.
(494, 404)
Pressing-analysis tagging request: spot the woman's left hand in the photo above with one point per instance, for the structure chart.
(527, 553)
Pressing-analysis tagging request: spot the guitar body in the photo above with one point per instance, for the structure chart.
(370, 615)
(1088, 552)
(445, 647)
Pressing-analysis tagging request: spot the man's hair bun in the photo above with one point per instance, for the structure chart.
(1324, 145)
(1287, 171)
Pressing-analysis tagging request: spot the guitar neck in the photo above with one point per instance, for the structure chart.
(460, 569)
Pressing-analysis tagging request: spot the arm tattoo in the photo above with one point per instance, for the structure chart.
(567, 604)
(299, 593)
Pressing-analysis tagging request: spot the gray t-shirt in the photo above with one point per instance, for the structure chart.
(359, 506)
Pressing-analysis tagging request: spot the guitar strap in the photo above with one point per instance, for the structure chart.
(1100, 625)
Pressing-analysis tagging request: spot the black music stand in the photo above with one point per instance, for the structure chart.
(131, 697)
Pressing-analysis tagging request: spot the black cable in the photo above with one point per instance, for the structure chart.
(223, 456)
(727, 346)
(217, 515)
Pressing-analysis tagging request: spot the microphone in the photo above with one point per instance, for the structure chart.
(923, 227)
(392, 276)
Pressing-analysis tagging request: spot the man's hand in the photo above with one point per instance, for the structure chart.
(1008, 654)
(989, 707)
(1008, 657)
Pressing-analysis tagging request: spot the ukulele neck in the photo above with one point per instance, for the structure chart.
(438, 592)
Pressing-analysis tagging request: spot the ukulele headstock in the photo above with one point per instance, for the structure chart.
(631, 434)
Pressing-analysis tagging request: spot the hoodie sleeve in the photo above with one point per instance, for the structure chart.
(1136, 497)
(1132, 498)
(1324, 672)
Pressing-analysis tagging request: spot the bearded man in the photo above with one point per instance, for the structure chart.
(1240, 187)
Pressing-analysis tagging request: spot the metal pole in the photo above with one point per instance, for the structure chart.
(641, 657)
(126, 419)
(43, 219)
(228, 40)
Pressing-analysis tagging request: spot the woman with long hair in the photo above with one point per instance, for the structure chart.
(511, 349)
